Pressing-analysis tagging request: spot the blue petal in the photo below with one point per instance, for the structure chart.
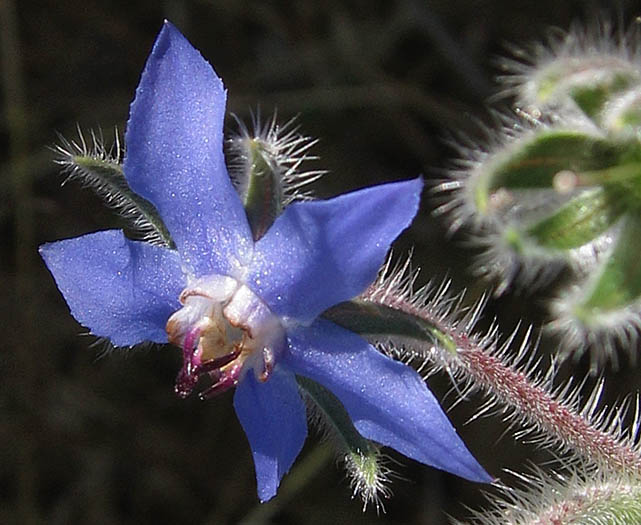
(273, 417)
(388, 401)
(174, 156)
(317, 254)
(119, 289)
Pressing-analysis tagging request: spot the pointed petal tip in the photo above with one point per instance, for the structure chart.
(413, 187)
(273, 417)
(419, 181)
(169, 31)
(120, 289)
(460, 461)
(265, 495)
(409, 191)
(174, 154)
(474, 472)
(389, 403)
(185, 52)
(168, 34)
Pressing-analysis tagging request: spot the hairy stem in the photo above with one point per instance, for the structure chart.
(552, 415)
(482, 363)
(617, 501)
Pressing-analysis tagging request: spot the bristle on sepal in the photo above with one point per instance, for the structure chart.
(369, 476)
(281, 149)
(367, 467)
(100, 168)
(587, 66)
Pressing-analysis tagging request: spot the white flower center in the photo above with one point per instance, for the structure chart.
(224, 329)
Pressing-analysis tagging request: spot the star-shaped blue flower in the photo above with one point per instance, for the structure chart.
(247, 313)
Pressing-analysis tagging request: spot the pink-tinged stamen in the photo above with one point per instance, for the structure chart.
(212, 365)
(224, 330)
(187, 377)
(193, 369)
(228, 379)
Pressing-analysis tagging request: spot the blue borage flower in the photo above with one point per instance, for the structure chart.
(246, 313)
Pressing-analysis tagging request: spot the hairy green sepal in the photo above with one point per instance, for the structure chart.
(262, 192)
(377, 320)
(589, 82)
(533, 163)
(579, 221)
(336, 414)
(624, 116)
(619, 283)
(362, 457)
(107, 178)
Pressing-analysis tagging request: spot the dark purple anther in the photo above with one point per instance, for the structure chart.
(228, 379)
(193, 368)
(187, 377)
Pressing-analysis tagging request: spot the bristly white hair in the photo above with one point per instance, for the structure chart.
(553, 414)
(369, 471)
(100, 168)
(603, 335)
(603, 47)
(580, 494)
(285, 150)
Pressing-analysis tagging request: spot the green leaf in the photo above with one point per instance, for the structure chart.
(579, 221)
(619, 284)
(534, 163)
(592, 98)
(372, 319)
(538, 160)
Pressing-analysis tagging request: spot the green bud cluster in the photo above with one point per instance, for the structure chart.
(562, 188)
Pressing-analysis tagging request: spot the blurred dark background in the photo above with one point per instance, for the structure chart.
(86, 439)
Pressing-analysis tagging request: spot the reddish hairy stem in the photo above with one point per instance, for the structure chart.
(554, 416)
